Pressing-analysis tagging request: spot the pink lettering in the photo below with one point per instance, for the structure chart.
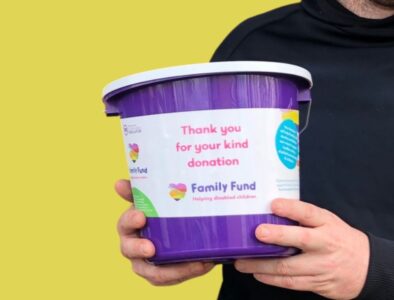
(189, 130)
(229, 129)
(198, 148)
(182, 148)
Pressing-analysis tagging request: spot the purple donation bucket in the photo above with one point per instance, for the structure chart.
(208, 147)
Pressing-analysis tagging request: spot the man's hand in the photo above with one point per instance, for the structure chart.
(137, 249)
(334, 259)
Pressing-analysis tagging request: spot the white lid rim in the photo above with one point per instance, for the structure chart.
(208, 69)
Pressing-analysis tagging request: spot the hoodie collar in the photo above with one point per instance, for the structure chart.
(332, 12)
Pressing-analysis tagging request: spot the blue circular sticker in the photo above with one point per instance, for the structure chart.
(287, 143)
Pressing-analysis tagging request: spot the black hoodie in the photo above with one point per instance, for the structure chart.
(347, 152)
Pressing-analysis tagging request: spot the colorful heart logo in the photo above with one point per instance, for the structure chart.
(134, 151)
(178, 191)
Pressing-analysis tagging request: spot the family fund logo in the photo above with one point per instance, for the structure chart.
(178, 191)
(134, 152)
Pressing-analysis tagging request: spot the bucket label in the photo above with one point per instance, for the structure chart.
(212, 163)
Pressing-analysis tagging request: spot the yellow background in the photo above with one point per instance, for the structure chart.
(60, 155)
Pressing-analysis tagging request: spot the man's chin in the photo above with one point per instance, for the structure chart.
(386, 3)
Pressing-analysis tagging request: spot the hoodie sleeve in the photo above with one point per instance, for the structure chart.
(380, 279)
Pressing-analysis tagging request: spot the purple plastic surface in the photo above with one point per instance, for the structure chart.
(219, 238)
(205, 93)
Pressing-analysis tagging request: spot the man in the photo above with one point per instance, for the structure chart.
(347, 238)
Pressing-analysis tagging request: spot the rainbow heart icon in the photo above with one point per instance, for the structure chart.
(178, 191)
(134, 151)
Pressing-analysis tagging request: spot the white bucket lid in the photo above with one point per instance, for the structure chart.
(209, 69)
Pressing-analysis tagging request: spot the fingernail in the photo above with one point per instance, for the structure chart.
(263, 232)
(277, 205)
(239, 265)
(198, 268)
(208, 265)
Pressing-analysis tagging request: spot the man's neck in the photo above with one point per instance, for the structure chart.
(368, 9)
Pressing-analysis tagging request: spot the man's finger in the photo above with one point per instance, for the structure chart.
(170, 274)
(132, 247)
(297, 283)
(306, 239)
(131, 222)
(305, 213)
(298, 265)
(123, 188)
